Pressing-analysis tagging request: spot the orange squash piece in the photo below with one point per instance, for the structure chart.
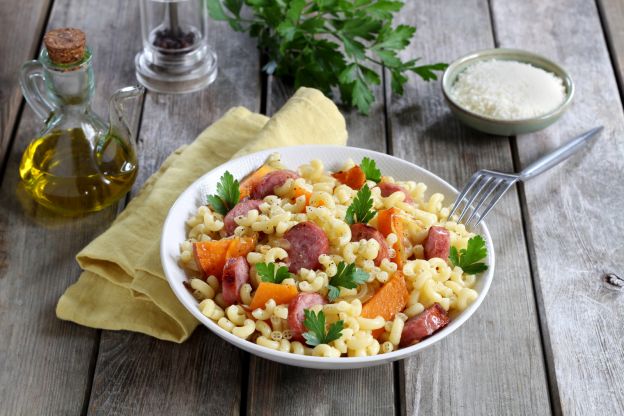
(389, 221)
(281, 294)
(354, 178)
(210, 256)
(389, 300)
(298, 191)
(240, 246)
(250, 181)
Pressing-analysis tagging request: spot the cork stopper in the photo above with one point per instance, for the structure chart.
(65, 45)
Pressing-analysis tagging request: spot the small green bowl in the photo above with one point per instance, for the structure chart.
(505, 127)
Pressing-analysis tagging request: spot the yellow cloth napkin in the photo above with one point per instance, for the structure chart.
(123, 285)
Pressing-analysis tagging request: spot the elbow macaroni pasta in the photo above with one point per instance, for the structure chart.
(318, 197)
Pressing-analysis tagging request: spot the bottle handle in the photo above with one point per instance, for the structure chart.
(35, 97)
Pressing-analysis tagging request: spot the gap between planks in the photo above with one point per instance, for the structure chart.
(553, 389)
(553, 392)
(611, 14)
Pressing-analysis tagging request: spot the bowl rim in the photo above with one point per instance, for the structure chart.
(492, 53)
(314, 361)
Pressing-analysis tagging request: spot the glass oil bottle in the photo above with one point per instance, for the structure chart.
(78, 163)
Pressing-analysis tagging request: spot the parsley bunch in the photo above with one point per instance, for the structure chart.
(317, 334)
(267, 273)
(347, 276)
(468, 258)
(329, 43)
(227, 194)
(370, 169)
(361, 209)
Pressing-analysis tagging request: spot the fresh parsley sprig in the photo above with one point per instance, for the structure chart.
(328, 43)
(317, 334)
(361, 209)
(468, 258)
(347, 276)
(227, 195)
(267, 273)
(370, 169)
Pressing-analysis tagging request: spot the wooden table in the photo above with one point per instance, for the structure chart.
(549, 338)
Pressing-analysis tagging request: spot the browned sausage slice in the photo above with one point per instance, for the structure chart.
(424, 324)
(366, 232)
(296, 314)
(306, 242)
(242, 208)
(388, 189)
(235, 274)
(438, 243)
(270, 181)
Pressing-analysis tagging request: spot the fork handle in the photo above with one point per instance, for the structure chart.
(559, 155)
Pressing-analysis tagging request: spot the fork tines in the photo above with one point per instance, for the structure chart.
(485, 186)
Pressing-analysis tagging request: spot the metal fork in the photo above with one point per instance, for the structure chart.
(489, 186)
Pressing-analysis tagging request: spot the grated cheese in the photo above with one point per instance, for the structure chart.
(507, 90)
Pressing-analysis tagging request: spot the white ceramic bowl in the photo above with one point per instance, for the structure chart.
(333, 157)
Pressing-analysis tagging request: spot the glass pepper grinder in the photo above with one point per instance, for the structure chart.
(176, 57)
(78, 163)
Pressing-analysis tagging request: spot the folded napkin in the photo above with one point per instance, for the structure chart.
(123, 285)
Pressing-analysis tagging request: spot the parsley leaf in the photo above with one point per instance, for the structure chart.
(347, 276)
(370, 170)
(360, 209)
(267, 273)
(315, 324)
(227, 195)
(468, 258)
(328, 44)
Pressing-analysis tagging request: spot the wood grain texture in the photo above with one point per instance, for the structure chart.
(21, 32)
(136, 374)
(574, 210)
(45, 363)
(493, 364)
(276, 389)
(612, 16)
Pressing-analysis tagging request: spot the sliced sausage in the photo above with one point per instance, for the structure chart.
(235, 274)
(424, 324)
(388, 189)
(242, 208)
(306, 242)
(270, 181)
(296, 314)
(438, 243)
(366, 232)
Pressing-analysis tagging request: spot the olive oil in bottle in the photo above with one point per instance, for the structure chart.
(77, 164)
(63, 172)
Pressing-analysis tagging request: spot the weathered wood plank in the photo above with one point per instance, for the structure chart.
(494, 363)
(573, 217)
(203, 375)
(137, 375)
(612, 16)
(276, 389)
(45, 365)
(21, 32)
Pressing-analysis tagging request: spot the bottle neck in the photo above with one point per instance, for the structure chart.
(69, 87)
